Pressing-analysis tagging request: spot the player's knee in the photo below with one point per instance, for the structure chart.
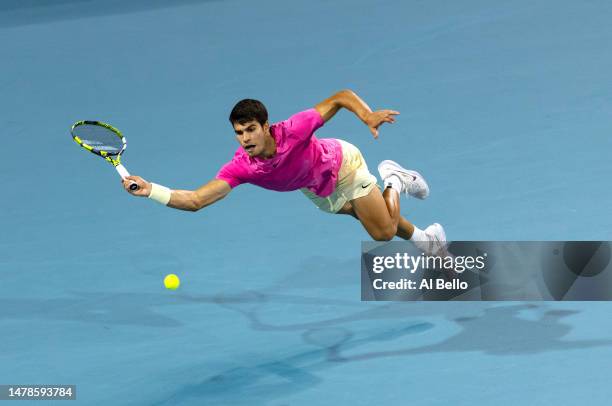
(384, 234)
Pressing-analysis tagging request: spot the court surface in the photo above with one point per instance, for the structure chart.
(505, 110)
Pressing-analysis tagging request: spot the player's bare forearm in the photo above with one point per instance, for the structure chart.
(194, 200)
(189, 200)
(349, 100)
(343, 99)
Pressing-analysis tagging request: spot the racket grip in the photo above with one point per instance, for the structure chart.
(124, 174)
(122, 171)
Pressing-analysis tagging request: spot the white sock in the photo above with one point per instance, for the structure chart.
(418, 235)
(394, 182)
(420, 239)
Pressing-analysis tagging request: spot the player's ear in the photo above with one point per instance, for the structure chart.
(266, 127)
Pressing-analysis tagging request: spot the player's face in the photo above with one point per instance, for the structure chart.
(252, 136)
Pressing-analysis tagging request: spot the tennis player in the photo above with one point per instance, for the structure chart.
(332, 173)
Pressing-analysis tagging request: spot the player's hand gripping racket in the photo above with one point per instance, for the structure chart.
(103, 140)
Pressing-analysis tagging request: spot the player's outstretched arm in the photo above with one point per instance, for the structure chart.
(190, 200)
(349, 100)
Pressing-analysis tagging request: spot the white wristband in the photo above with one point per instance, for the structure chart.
(160, 193)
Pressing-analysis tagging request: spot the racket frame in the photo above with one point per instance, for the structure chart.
(110, 157)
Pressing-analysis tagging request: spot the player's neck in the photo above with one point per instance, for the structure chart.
(269, 147)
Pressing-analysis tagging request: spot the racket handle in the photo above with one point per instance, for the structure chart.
(124, 174)
(122, 171)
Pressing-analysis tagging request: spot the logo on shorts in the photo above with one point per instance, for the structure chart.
(365, 186)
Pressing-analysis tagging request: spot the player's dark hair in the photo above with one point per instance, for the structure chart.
(247, 110)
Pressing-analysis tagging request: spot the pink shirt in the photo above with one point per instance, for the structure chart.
(301, 160)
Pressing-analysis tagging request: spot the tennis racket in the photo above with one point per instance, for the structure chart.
(103, 140)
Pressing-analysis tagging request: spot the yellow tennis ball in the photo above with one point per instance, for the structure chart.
(172, 281)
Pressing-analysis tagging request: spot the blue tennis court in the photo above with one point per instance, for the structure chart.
(505, 109)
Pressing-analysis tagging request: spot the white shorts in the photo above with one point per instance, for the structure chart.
(354, 181)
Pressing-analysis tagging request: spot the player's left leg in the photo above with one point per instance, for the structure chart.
(405, 228)
(432, 240)
(357, 194)
(379, 216)
(367, 209)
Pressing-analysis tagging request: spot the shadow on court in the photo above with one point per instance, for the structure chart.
(335, 332)
(329, 333)
(496, 331)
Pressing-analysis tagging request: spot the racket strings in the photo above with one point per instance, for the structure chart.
(100, 138)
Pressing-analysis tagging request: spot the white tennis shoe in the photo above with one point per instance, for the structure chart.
(413, 182)
(436, 240)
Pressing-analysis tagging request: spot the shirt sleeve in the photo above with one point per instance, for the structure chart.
(231, 173)
(302, 125)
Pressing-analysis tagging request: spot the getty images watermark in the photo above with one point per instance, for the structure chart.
(404, 262)
(487, 270)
